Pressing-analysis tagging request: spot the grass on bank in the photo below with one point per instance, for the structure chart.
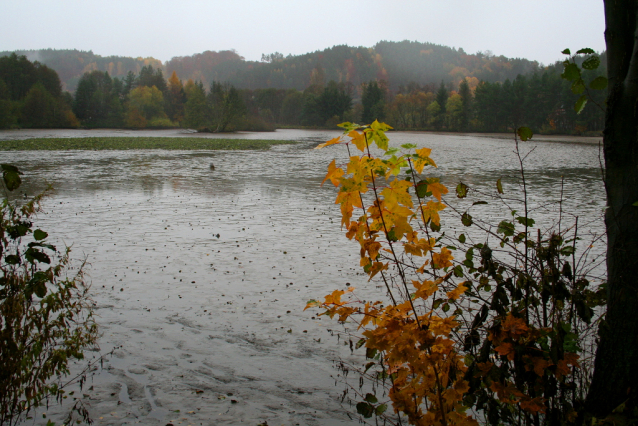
(125, 143)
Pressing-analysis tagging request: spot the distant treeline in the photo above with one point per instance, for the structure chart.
(31, 96)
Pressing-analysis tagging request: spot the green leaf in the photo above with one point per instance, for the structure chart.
(370, 353)
(525, 221)
(446, 307)
(462, 238)
(525, 133)
(635, 204)
(566, 52)
(578, 87)
(466, 219)
(422, 189)
(365, 409)
(458, 271)
(11, 176)
(499, 186)
(40, 289)
(477, 203)
(567, 250)
(437, 303)
(360, 343)
(506, 228)
(348, 127)
(39, 234)
(408, 146)
(599, 83)
(585, 51)
(12, 259)
(571, 72)
(371, 398)
(32, 255)
(591, 63)
(580, 104)
(380, 409)
(392, 151)
(461, 190)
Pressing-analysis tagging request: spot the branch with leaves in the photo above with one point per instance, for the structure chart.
(457, 341)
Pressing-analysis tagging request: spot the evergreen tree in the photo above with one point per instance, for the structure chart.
(466, 101)
(441, 97)
(373, 102)
(334, 101)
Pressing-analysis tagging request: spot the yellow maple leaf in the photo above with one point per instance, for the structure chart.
(423, 159)
(425, 289)
(358, 139)
(348, 201)
(334, 174)
(442, 326)
(430, 211)
(376, 134)
(397, 193)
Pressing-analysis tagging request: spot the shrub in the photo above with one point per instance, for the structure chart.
(500, 332)
(46, 314)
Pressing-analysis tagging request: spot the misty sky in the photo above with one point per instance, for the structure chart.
(533, 29)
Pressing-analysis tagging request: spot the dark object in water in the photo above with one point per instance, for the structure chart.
(212, 166)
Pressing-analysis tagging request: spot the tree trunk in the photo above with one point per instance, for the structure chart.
(615, 377)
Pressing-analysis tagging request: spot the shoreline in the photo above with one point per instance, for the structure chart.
(22, 134)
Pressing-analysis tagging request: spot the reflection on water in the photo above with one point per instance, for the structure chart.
(201, 275)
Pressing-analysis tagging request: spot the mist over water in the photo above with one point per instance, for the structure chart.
(200, 276)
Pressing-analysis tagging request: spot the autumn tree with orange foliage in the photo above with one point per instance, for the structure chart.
(466, 333)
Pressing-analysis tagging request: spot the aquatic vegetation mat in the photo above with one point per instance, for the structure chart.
(125, 143)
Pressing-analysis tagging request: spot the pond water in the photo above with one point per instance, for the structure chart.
(200, 276)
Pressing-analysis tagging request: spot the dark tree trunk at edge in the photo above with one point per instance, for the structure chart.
(615, 377)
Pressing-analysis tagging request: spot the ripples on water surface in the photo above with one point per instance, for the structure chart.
(193, 311)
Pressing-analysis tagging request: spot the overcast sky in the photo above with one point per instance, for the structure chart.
(532, 29)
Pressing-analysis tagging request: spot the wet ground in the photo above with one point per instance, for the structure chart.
(200, 276)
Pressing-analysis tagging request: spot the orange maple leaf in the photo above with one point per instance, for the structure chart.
(506, 349)
(437, 189)
(443, 259)
(514, 327)
(457, 292)
(348, 201)
(535, 405)
(330, 142)
(334, 174)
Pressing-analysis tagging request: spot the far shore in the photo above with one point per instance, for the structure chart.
(21, 134)
(537, 138)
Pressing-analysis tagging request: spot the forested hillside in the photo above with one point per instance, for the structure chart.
(397, 63)
(409, 85)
